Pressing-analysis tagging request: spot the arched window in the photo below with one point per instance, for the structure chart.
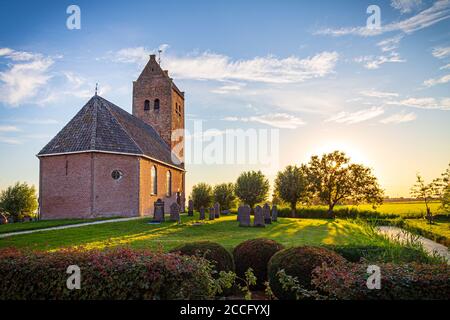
(156, 104)
(146, 105)
(168, 183)
(154, 177)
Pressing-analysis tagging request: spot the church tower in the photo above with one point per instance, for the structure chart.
(158, 102)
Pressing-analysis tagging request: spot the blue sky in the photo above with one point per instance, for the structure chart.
(310, 70)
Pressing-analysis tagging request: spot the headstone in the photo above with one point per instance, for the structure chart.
(225, 212)
(244, 217)
(259, 217)
(202, 213)
(212, 215)
(26, 219)
(158, 211)
(3, 219)
(274, 213)
(239, 213)
(217, 210)
(266, 214)
(190, 208)
(175, 212)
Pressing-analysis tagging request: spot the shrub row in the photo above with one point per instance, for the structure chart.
(342, 213)
(112, 274)
(398, 282)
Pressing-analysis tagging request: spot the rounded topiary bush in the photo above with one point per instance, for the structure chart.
(255, 254)
(299, 262)
(213, 252)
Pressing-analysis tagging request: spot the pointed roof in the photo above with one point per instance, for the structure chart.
(102, 126)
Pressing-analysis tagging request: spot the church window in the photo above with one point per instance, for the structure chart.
(168, 184)
(156, 104)
(154, 180)
(146, 105)
(117, 174)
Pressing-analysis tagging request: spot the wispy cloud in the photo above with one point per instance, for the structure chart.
(26, 74)
(406, 6)
(436, 81)
(372, 93)
(447, 66)
(390, 44)
(441, 52)
(424, 103)
(7, 128)
(213, 66)
(277, 120)
(374, 62)
(399, 118)
(232, 87)
(356, 117)
(9, 140)
(440, 10)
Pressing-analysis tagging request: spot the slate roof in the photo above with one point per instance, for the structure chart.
(102, 126)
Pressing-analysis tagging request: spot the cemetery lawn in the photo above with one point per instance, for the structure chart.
(139, 234)
(34, 225)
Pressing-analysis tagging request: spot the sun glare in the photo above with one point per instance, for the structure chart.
(356, 155)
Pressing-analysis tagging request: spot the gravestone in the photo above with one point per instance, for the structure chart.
(259, 217)
(158, 211)
(202, 213)
(212, 215)
(225, 212)
(3, 219)
(190, 208)
(244, 218)
(217, 210)
(174, 212)
(274, 213)
(266, 214)
(239, 212)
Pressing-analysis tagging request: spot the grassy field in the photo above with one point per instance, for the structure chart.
(439, 231)
(140, 234)
(401, 208)
(34, 225)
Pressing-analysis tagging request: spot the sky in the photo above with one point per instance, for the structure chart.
(298, 77)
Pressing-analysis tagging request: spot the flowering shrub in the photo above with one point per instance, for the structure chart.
(255, 254)
(399, 282)
(110, 274)
(299, 262)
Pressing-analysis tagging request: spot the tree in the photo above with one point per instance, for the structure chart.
(202, 195)
(333, 179)
(425, 192)
(291, 185)
(252, 187)
(19, 200)
(445, 189)
(224, 195)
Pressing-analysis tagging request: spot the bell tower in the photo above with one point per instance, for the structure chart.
(158, 102)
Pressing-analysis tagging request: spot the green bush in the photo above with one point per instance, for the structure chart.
(211, 251)
(299, 262)
(341, 213)
(115, 274)
(202, 195)
(255, 254)
(398, 282)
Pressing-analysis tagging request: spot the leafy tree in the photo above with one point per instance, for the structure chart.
(445, 189)
(334, 179)
(252, 187)
(202, 195)
(291, 185)
(224, 194)
(19, 200)
(426, 193)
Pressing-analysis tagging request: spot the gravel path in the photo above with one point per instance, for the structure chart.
(429, 245)
(4, 235)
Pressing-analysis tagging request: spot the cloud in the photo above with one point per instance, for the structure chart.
(441, 52)
(374, 62)
(25, 76)
(9, 140)
(213, 66)
(232, 87)
(7, 128)
(440, 10)
(378, 94)
(34, 121)
(433, 82)
(277, 120)
(406, 6)
(399, 118)
(424, 103)
(447, 66)
(390, 44)
(356, 117)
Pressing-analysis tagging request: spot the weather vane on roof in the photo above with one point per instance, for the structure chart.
(159, 56)
(96, 88)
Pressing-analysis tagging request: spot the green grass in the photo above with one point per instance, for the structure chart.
(34, 225)
(439, 231)
(140, 234)
(404, 209)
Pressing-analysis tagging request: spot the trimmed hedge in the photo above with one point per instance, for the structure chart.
(113, 274)
(255, 254)
(299, 262)
(398, 282)
(211, 251)
(342, 213)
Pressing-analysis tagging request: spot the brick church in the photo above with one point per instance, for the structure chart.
(106, 162)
